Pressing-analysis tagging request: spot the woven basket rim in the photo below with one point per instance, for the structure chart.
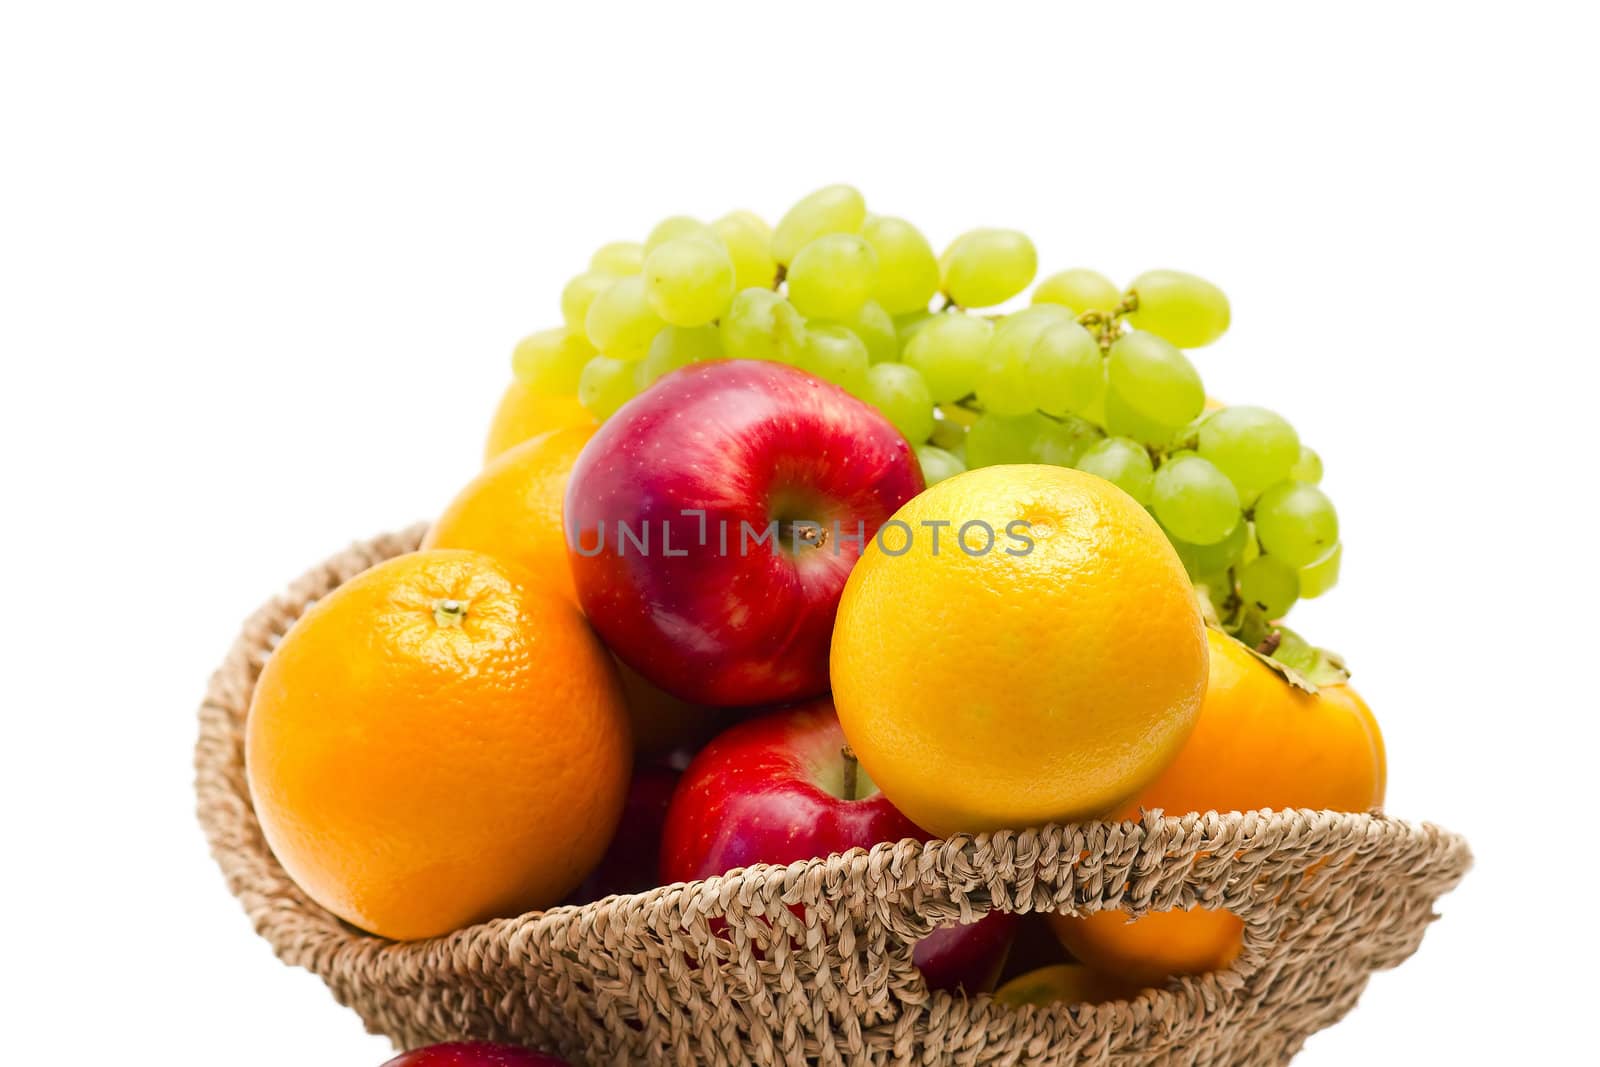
(915, 885)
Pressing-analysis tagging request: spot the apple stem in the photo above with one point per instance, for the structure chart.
(851, 764)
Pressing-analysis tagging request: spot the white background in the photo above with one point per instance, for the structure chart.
(261, 268)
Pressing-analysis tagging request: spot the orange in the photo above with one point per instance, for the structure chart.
(1064, 983)
(1259, 743)
(512, 509)
(525, 413)
(434, 744)
(1049, 678)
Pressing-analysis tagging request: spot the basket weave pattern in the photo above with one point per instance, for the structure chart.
(1326, 898)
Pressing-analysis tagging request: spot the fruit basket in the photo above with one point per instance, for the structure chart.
(812, 962)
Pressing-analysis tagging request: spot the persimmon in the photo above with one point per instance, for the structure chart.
(1259, 742)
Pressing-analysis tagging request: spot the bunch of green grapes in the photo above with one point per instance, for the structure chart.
(1090, 375)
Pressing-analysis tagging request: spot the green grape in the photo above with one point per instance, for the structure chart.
(907, 326)
(1002, 439)
(679, 346)
(908, 272)
(900, 393)
(1122, 421)
(1186, 310)
(1270, 586)
(1078, 290)
(1252, 546)
(677, 228)
(580, 293)
(1320, 576)
(876, 329)
(689, 282)
(836, 355)
(1296, 523)
(1307, 467)
(621, 323)
(551, 360)
(982, 268)
(749, 244)
(1123, 463)
(761, 324)
(605, 385)
(948, 434)
(1062, 442)
(950, 352)
(834, 209)
(1041, 360)
(1194, 501)
(832, 276)
(937, 464)
(619, 258)
(1155, 381)
(1204, 561)
(1252, 446)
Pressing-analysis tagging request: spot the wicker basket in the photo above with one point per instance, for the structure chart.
(1326, 899)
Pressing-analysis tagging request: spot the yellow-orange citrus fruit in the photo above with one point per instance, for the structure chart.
(525, 412)
(434, 744)
(512, 509)
(1064, 983)
(1259, 743)
(1048, 678)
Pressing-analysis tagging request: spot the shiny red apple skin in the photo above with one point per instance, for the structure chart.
(735, 623)
(474, 1054)
(629, 863)
(768, 790)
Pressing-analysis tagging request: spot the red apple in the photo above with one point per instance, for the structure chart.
(474, 1054)
(785, 787)
(629, 864)
(712, 521)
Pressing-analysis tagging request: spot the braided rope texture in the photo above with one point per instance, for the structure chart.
(724, 971)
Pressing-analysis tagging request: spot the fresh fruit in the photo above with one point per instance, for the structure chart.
(1194, 500)
(1058, 584)
(753, 486)
(631, 859)
(512, 509)
(622, 320)
(840, 292)
(1186, 310)
(774, 789)
(833, 276)
(1252, 446)
(551, 360)
(1064, 983)
(937, 464)
(661, 723)
(434, 744)
(1079, 290)
(950, 352)
(835, 209)
(982, 268)
(1295, 521)
(966, 956)
(474, 1054)
(689, 281)
(908, 272)
(899, 392)
(1260, 742)
(525, 412)
(785, 787)
(761, 324)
